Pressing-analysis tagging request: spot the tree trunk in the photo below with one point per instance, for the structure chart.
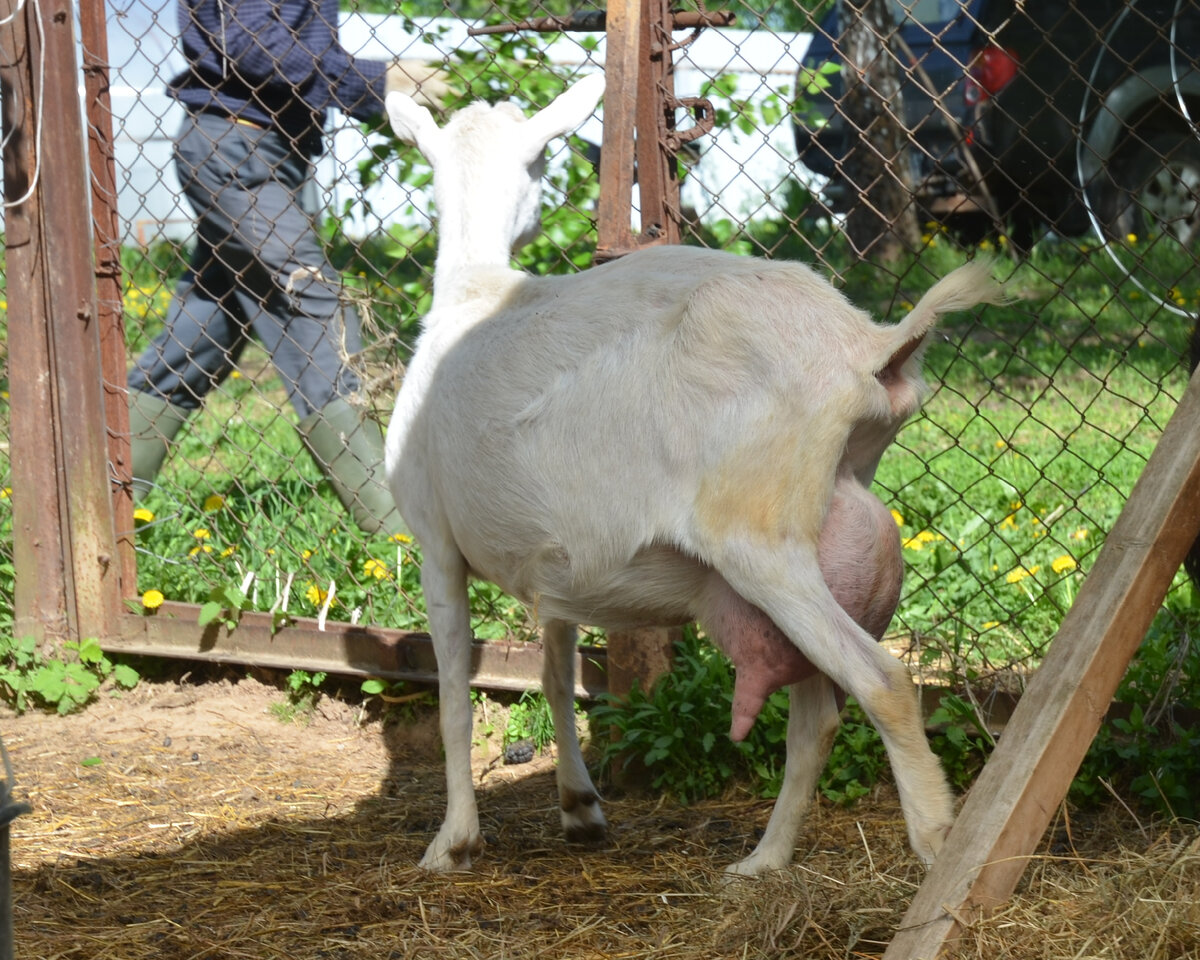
(882, 223)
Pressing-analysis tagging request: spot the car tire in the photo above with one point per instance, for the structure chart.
(1155, 189)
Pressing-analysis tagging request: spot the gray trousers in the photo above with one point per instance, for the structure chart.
(257, 268)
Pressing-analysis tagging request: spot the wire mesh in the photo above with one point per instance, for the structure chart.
(883, 142)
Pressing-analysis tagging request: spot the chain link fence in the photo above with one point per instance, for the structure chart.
(882, 142)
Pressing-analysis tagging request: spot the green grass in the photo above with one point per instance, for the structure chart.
(1042, 418)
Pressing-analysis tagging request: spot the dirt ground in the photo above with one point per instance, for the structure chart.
(185, 820)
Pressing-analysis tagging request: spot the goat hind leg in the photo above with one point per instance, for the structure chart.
(444, 582)
(582, 819)
(813, 718)
(787, 585)
(894, 709)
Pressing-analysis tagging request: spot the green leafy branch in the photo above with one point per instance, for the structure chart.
(27, 678)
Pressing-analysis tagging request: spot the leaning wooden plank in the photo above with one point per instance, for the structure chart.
(1010, 806)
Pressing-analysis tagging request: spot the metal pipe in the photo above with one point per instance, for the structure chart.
(9, 810)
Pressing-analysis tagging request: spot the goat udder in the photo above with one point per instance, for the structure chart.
(763, 664)
(764, 660)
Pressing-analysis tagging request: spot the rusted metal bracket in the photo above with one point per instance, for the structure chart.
(641, 138)
(595, 21)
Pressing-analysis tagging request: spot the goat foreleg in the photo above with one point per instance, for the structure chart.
(444, 582)
(579, 803)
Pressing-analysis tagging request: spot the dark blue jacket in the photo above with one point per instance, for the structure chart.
(275, 63)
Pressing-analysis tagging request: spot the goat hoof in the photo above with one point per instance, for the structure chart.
(587, 833)
(752, 867)
(929, 844)
(445, 857)
(582, 819)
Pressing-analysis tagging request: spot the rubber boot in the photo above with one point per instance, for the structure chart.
(348, 448)
(153, 423)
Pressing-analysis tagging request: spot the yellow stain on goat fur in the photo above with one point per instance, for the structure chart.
(775, 488)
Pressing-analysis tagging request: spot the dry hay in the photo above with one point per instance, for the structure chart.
(208, 829)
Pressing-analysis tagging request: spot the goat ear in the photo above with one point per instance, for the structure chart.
(566, 112)
(413, 124)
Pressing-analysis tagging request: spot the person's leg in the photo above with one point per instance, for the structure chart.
(204, 331)
(292, 297)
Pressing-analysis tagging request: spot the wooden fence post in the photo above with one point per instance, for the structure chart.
(642, 655)
(64, 550)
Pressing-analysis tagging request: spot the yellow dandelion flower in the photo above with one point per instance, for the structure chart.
(1080, 533)
(403, 538)
(912, 543)
(6, 493)
(142, 515)
(235, 375)
(305, 554)
(928, 536)
(315, 595)
(228, 551)
(1131, 237)
(896, 516)
(152, 599)
(213, 502)
(1020, 573)
(201, 534)
(200, 548)
(373, 568)
(1064, 563)
(1001, 444)
(1009, 522)
(990, 624)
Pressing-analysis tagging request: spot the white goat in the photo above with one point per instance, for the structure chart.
(679, 434)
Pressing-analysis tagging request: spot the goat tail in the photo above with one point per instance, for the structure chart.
(968, 286)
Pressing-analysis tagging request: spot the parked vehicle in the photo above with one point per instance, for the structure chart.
(1071, 114)
(939, 47)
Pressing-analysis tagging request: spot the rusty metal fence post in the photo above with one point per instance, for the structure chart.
(106, 227)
